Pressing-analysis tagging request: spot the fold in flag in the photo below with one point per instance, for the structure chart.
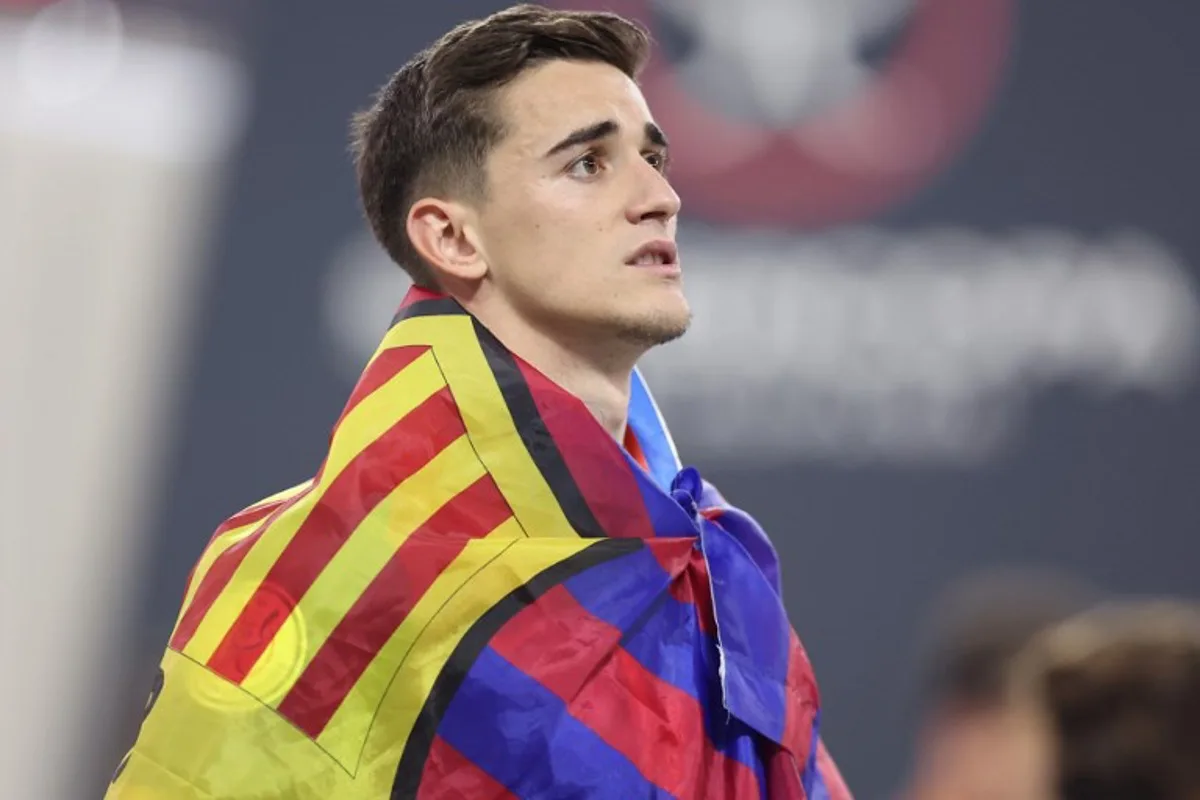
(481, 594)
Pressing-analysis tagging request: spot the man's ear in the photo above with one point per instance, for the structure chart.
(440, 230)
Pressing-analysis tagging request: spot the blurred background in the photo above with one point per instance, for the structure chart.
(943, 255)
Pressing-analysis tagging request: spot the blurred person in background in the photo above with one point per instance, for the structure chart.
(1118, 691)
(1028, 704)
(972, 743)
(501, 582)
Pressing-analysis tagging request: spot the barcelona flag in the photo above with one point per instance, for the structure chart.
(481, 594)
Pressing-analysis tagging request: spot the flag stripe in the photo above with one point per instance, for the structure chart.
(598, 469)
(687, 583)
(373, 475)
(224, 566)
(695, 590)
(225, 538)
(623, 592)
(536, 437)
(432, 307)
(381, 369)
(387, 602)
(365, 553)
(576, 656)
(554, 753)
(233, 530)
(783, 773)
(474, 640)
(664, 636)
(449, 775)
(802, 701)
(692, 664)
(250, 515)
(378, 716)
(367, 422)
(488, 419)
(241, 522)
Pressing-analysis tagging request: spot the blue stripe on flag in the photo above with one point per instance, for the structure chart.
(542, 751)
(664, 636)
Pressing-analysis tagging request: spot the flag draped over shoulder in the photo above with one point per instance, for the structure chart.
(482, 595)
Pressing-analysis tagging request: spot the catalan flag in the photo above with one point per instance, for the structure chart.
(483, 595)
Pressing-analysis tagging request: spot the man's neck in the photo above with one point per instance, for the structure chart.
(603, 387)
(605, 395)
(601, 380)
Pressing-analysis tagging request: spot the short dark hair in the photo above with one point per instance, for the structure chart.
(433, 124)
(981, 626)
(1121, 688)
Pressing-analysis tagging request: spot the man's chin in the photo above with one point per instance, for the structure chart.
(655, 329)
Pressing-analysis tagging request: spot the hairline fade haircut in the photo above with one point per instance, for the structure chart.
(433, 124)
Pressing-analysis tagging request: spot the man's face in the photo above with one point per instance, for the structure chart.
(575, 192)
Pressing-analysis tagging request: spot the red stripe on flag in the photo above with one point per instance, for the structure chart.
(239, 520)
(219, 575)
(369, 477)
(247, 517)
(692, 586)
(386, 603)
(386, 366)
(803, 700)
(418, 294)
(382, 370)
(449, 775)
(593, 458)
(783, 774)
(658, 727)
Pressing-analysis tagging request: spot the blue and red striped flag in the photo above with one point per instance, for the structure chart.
(483, 595)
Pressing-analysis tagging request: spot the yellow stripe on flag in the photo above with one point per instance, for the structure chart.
(378, 715)
(488, 420)
(365, 553)
(215, 548)
(223, 541)
(365, 423)
(509, 529)
(283, 496)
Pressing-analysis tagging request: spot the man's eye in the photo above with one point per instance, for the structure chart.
(586, 166)
(657, 160)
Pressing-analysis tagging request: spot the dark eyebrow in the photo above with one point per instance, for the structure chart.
(592, 133)
(584, 135)
(655, 136)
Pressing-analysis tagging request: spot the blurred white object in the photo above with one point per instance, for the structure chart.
(864, 345)
(70, 50)
(109, 136)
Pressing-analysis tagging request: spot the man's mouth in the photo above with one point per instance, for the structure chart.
(660, 252)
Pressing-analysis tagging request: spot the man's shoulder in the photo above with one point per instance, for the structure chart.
(255, 513)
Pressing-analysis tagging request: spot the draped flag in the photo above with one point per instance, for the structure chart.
(481, 594)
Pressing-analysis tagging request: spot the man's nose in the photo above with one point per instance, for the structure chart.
(654, 197)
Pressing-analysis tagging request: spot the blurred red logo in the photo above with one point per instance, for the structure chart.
(867, 136)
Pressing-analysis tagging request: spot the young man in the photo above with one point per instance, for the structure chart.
(501, 582)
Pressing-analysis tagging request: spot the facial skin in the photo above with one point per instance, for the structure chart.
(574, 188)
